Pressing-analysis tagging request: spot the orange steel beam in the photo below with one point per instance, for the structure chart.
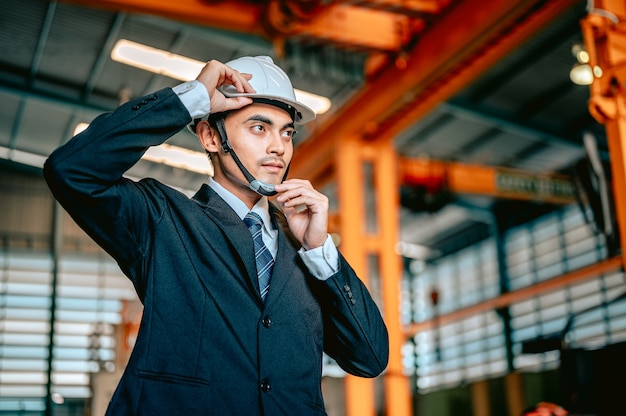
(484, 180)
(462, 178)
(604, 33)
(494, 50)
(348, 25)
(507, 299)
(340, 23)
(386, 187)
(359, 395)
(419, 6)
(357, 244)
(467, 40)
(237, 15)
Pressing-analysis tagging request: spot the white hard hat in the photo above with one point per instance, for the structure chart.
(271, 84)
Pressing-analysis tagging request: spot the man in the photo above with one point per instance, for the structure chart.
(218, 336)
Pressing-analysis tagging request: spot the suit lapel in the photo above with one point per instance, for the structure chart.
(283, 268)
(285, 260)
(234, 231)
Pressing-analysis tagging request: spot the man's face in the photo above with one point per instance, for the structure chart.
(261, 136)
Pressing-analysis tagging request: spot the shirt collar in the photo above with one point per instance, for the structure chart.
(261, 207)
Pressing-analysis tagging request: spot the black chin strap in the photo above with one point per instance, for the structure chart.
(260, 187)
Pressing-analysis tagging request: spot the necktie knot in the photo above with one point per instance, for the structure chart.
(253, 221)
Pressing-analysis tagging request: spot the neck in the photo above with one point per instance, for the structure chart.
(240, 189)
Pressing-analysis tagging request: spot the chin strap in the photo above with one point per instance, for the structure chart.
(260, 187)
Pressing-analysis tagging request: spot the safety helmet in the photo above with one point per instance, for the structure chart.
(272, 86)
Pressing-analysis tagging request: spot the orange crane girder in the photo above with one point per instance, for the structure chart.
(237, 15)
(398, 96)
(498, 182)
(345, 24)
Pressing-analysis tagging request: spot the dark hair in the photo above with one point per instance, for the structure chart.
(212, 120)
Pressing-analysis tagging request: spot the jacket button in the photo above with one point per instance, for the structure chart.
(267, 322)
(265, 386)
(136, 107)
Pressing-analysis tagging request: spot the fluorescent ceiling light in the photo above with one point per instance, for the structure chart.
(179, 157)
(155, 60)
(184, 69)
(414, 251)
(167, 154)
(316, 102)
(19, 156)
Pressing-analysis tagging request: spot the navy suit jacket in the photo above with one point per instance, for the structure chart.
(207, 344)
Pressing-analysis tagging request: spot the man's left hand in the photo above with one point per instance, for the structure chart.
(309, 225)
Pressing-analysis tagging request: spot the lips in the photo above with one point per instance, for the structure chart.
(273, 166)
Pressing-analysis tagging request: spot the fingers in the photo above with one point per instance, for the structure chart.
(306, 211)
(240, 80)
(299, 195)
(215, 74)
(236, 102)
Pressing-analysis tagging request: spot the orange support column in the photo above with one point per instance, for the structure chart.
(616, 134)
(350, 189)
(386, 188)
(604, 32)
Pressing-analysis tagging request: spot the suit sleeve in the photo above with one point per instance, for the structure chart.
(86, 174)
(355, 333)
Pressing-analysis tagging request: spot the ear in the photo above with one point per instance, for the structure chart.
(208, 137)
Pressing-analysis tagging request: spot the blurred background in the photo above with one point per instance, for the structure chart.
(472, 151)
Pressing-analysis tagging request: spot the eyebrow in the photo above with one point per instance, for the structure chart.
(263, 119)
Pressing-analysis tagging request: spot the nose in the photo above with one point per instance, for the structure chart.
(276, 143)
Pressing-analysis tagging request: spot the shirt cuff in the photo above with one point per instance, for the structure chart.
(323, 261)
(195, 98)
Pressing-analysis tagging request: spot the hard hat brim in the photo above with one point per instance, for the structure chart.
(306, 113)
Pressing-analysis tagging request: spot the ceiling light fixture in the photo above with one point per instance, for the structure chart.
(179, 157)
(582, 73)
(184, 69)
(166, 154)
(22, 157)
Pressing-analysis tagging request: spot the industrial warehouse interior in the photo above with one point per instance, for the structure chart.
(476, 185)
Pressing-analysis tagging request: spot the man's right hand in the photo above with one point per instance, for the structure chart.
(215, 74)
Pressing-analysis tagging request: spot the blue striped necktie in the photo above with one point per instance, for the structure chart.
(263, 257)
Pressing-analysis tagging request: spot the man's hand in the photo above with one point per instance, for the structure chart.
(215, 74)
(309, 225)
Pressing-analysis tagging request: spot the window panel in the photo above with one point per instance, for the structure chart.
(76, 392)
(10, 351)
(22, 377)
(90, 294)
(540, 250)
(11, 364)
(30, 391)
(24, 405)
